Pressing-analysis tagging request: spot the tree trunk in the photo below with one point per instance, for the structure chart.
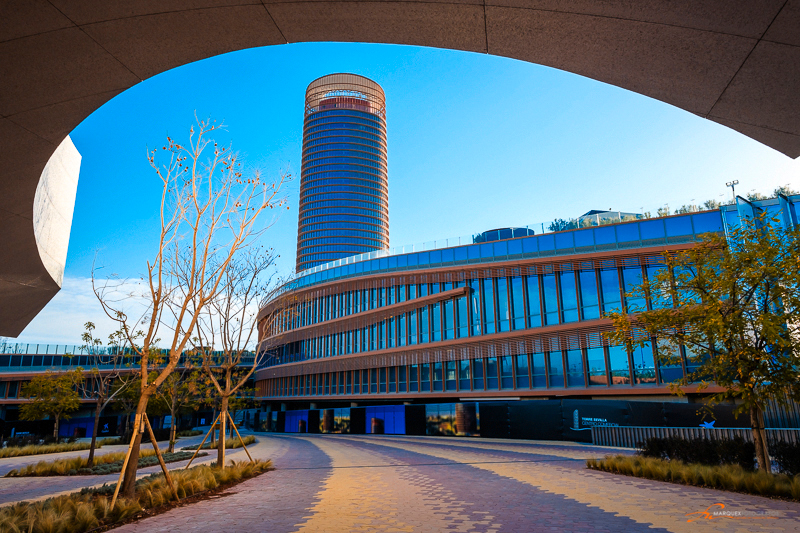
(127, 423)
(129, 481)
(173, 428)
(55, 429)
(760, 439)
(221, 444)
(90, 460)
(213, 433)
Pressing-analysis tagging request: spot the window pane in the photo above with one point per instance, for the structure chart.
(506, 372)
(521, 368)
(596, 365)
(475, 312)
(569, 297)
(575, 368)
(590, 308)
(413, 378)
(491, 373)
(618, 360)
(555, 369)
(463, 375)
(503, 315)
(436, 323)
(632, 277)
(437, 376)
(425, 378)
(538, 370)
(669, 363)
(644, 368)
(609, 285)
(534, 306)
(517, 303)
(550, 299)
(447, 319)
(487, 299)
(450, 375)
(477, 374)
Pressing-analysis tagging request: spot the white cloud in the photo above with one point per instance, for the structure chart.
(62, 320)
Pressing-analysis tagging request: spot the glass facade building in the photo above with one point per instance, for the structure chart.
(518, 317)
(344, 194)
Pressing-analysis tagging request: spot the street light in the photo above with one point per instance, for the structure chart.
(732, 185)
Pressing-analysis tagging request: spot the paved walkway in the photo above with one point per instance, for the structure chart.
(16, 489)
(340, 483)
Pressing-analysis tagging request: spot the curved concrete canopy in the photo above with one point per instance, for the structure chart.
(736, 62)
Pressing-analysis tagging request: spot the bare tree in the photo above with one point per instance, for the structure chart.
(228, 330)
(208, 213)
(106, 378)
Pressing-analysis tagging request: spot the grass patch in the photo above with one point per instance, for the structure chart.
(189, 433)
(229, 443)
(108, 463)
(91, 508)
(725, 477)
(37, 449)
(110, 441)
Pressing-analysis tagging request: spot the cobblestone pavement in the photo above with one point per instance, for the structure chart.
(342, 483)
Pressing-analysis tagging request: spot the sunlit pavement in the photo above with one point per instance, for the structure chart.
(331, 483)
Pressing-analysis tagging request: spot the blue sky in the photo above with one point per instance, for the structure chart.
(475, 142)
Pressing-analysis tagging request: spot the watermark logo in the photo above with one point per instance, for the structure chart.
(717, 510)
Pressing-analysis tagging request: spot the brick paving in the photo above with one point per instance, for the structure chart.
(342, 483)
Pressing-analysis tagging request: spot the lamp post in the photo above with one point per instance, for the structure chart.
(732, 185)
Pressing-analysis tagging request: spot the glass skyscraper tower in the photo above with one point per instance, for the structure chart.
(344, 194)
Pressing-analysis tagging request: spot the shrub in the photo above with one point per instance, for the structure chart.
(726, 477)
(787, 456)
(189, 433)
(703, 451)
(110, 441)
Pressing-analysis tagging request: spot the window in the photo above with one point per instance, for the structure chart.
(413, 378)
(382, 381)
(503, 315)
(660, 295)
(575, 376)
(550, 299)
(590, 305)
(644, 368)
(631, 278)
(423, 324)
(437, 376)
(618, 361)
(555, 369)
(373, 383)
(463, 375)
(475, 313)
(357, 382)
(506, 372)
(477, 374)
(412, 327)
(517, 303)
(349, 376)
(436, 322)
(450, 376)
(425, 378)
(596, 364)
(569, 297)
(462, 317)
(609, 285)
(491, 373)
(401, 330)
(521, 369)
(534, 307)
(447, 319)
(487, 299)
(401, 379)
(669, 363)
(391, 336)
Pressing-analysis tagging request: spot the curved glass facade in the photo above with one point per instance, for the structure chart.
(344, 144)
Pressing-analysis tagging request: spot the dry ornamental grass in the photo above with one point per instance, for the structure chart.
(726, 477)
(89, 509)
(108, 463)
(37, 449)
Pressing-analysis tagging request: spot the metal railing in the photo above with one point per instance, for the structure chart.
(632, 436)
